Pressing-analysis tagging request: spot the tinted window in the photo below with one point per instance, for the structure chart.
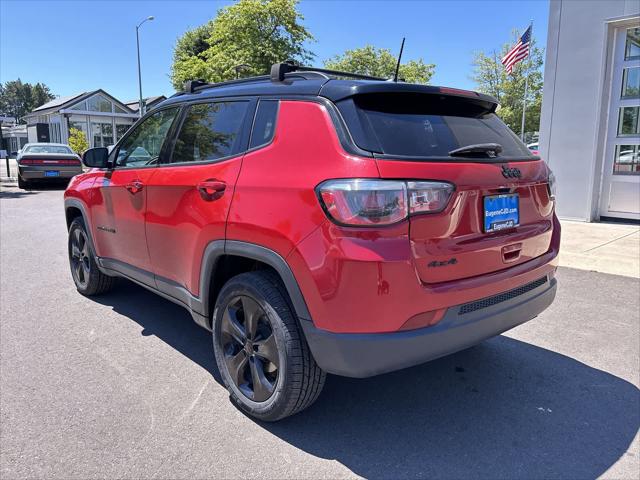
(210, 131)
(264, 125)
(143, 146)
(425, 125)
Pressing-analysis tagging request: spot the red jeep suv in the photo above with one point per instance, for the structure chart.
(319, 221)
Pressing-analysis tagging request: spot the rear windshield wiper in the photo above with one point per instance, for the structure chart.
(491, 150)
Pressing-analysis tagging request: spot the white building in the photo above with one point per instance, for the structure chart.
(590, 129)
(14, 137)
(100, 116)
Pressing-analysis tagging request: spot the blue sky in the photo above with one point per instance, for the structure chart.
(76, 46)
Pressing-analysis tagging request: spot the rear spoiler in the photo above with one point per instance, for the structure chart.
(337, 90)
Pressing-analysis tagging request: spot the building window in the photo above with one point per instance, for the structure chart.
(82, 126)
(627, 160)
(121, 130)
(118, 109)
(99, 103)
(632, 46)
(82, 106)
(102, 134)
(631, 82)
(56, 136)
(628, 121)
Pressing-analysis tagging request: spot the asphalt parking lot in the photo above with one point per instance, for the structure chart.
(124, 386)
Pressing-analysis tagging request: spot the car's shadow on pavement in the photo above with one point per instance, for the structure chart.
(10, 194)
(503, 409)
(10, 191)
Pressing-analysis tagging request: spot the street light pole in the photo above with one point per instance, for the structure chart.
(140, 112)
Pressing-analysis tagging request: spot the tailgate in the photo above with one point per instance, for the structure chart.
(453, 244)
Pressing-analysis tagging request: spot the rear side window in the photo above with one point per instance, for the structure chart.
(210, 131)
(419, 125)
(264, 125)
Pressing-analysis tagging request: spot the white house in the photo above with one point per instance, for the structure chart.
(102, 118)
(590, 128)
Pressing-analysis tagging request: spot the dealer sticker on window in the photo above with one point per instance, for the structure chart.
(501, 212)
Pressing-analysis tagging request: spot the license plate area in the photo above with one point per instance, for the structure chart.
(501, 212)
(51, 173)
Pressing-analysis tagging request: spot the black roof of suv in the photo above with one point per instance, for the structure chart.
(290, 80)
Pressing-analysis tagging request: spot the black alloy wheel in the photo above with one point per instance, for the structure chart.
(80, 258)
(86, 275)
(250, 350)
(260, 348)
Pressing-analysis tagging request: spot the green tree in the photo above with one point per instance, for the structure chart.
(18, 98)
(251, 33)
(380, 62)
(78, 141)
(491, 77)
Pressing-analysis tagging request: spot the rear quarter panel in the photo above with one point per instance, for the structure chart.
(275, 203)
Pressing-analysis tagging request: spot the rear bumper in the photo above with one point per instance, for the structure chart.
(38, 172)
(365, 355)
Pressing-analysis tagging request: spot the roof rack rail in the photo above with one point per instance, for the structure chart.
(279, 70)
(191, 86)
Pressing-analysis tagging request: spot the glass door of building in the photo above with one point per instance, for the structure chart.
(621, 180)
(102, 134)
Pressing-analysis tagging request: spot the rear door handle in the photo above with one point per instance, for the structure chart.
(211, 189)
(134, 186)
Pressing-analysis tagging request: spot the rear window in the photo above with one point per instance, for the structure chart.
(419, 125)
(48, 149)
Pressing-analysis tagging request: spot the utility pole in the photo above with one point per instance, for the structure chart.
(140, 107)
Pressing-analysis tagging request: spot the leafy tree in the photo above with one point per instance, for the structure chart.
(251, 33)
(380, 62)
(78, 141)
(40, 94)
(492, 78)
(18, 98)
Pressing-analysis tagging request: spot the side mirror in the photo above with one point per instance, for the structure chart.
(96, 157)
(13, 154)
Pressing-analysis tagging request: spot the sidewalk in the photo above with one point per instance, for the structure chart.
(602, 247)
(13, 169)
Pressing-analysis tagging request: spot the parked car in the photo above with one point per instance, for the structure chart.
(46, 162)
(534, 147)
(319, 225)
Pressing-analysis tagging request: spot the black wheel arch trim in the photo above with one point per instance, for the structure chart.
(202, 304)
(279, 264)
(75, 203)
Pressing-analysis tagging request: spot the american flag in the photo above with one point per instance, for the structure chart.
(519, 52)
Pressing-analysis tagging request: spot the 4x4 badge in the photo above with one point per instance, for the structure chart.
(510, 172)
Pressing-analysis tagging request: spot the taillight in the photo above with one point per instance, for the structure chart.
(37, 161)
(428, 197)
(369, 202)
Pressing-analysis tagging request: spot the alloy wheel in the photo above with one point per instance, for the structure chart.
(80, 261)
(249, 348)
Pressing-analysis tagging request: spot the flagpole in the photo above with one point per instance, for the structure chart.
(526, 83)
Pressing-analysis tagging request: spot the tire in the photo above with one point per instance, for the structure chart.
(23, 184)
(86, 275)
(289, 378)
